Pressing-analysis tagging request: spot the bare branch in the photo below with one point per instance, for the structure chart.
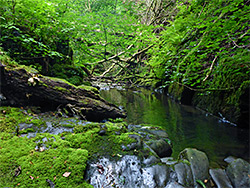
(113, 57)
(210, 69)
(135, 54)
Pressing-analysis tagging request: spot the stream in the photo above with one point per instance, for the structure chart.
(185, 125)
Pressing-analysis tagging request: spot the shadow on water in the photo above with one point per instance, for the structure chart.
(186, 126)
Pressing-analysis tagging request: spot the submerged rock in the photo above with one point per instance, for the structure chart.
(238, 172)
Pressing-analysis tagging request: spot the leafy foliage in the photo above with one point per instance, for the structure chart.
(201, 33)
(205, 48)
(82, 34)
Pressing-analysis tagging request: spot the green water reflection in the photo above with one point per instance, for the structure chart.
(186, 126)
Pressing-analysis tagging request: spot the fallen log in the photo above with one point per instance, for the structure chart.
(22, 86)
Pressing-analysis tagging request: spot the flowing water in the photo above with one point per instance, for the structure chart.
(185, 125)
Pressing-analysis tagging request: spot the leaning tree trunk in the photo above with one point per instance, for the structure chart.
(23, 87)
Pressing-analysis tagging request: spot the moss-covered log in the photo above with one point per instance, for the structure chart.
(22, 86)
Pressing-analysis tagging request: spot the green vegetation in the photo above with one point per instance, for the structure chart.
(206, 49)
(70, 39)
(29, 162)
(199, 45)
(37, 166)
(10, 118)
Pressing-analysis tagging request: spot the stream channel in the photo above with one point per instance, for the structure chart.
(185, 125)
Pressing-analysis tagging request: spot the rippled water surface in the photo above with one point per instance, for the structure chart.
(186, 126)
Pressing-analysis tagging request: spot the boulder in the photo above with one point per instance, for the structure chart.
(220, 178)
(184, 174)
(161, 147)
(198, 162)
(154, 138)
(238, 172)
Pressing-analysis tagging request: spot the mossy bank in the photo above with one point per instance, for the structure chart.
(40, 159)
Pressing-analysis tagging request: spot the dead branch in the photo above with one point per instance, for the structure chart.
(138, 53)
(108, 70)
(113, 57)
(210, 69)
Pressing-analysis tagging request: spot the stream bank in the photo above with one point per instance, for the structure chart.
(231, 105)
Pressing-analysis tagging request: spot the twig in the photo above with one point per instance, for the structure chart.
(210, 69)
(244, 46)
(137, 53)
(113, 57)
(202, 9)
(109, 69)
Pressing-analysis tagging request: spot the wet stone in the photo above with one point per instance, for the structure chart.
(151, 160)
(229, 159)
(158, 133)
(126, 172)
(220, 178)
(174, 185)
(238, 172)
(198, 162)
(184, 174)
(168, 160)
(161, 147)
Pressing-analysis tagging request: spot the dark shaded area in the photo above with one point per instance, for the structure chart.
(187, 96)
(244, 109)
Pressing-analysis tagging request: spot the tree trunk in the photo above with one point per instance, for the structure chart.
(21, 87)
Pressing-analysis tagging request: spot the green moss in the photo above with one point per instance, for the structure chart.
(117, 120)
(6, 60)
(89, 88)
(25, 131)
(69, 125)
(10, 118)
(59, 80)
(107, 145)
(43, 84)
(50, 158)
(39, 166)
(61, 89)
(27, 68)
